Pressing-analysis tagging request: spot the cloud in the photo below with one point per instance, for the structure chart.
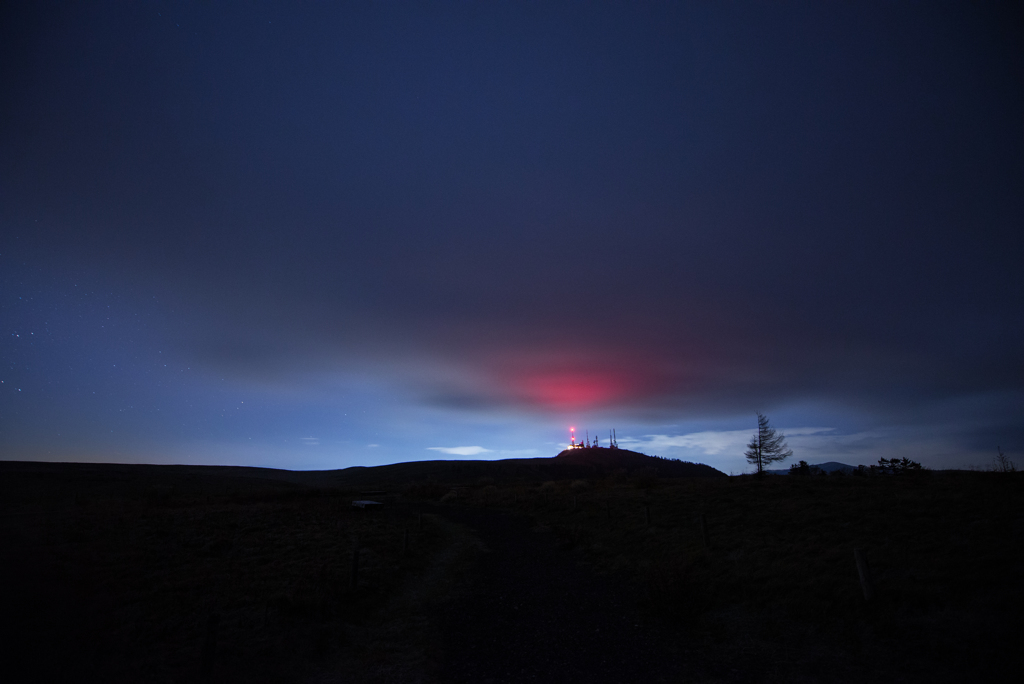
(310, 441)
(372, 446)
(461, 451)
(711, 442)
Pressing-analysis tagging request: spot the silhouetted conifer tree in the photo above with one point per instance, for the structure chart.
(767, 446)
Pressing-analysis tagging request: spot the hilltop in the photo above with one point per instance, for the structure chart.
(605, 460)
(569, 464)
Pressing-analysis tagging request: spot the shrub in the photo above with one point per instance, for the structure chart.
(804, 470)
(1002, 464)
(897, 466)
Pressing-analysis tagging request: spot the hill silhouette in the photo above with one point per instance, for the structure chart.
(569, 464)
(827, 468)
(606, 460)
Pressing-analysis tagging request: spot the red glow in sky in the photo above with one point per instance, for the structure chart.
(572, 390)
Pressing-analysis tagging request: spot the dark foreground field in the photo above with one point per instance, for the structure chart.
(167, 574)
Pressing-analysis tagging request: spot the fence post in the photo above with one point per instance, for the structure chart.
(419, 523)
(703, 522)
(647, 514)
(865, 574)
(405, 540)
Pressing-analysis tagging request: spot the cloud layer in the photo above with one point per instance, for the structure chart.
(401, 226)
(461, 451)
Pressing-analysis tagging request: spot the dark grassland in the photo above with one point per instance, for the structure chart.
(777, 594)
(146, 573)
(118, 572)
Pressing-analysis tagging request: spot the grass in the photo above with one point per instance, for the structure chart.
(778, 586)
(115, 573)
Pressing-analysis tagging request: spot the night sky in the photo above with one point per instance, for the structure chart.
(308, 236)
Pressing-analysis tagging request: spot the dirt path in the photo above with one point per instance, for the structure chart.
(532, 614)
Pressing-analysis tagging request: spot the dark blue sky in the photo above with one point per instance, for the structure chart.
(305, 235)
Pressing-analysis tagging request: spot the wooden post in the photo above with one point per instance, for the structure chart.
(574, 502)
(703, 522)
(419, 523)
(405, 540)
(647, 514)
(865, 574)
(355, 564)
(608, 509)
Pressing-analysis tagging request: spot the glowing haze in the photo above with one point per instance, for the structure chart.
(328, 236)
